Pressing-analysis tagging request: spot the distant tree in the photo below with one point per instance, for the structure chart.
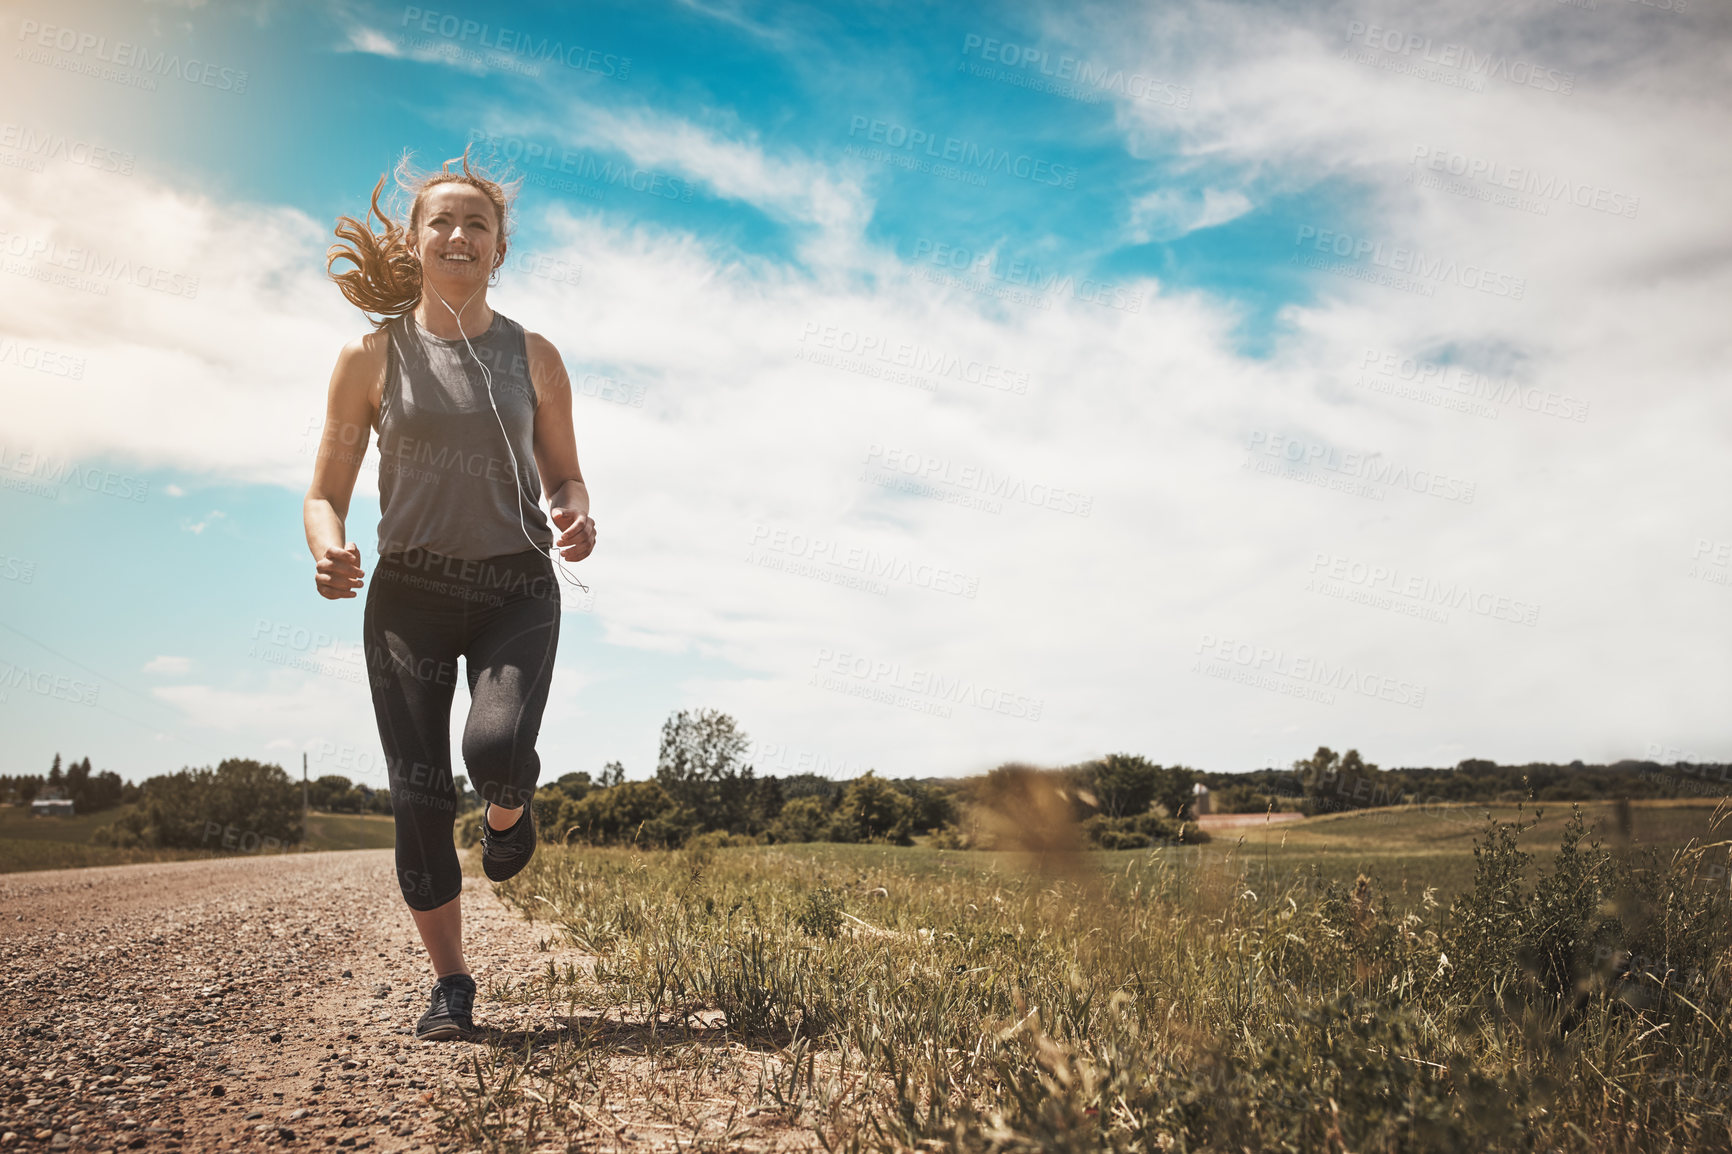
(77, 775)
(934, 807)
(241, 801)
(1332, 781)
(613, 773)
(811, 785)
(700, 767)
(56, 780)
(631, 813)
(802, 819)
(576, 784)
(546, 803)
(93, 792)
(1126, 785)
(1123, 784)
(334, 793)
(874, 810)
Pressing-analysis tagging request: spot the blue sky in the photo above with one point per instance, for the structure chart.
(1332, 392)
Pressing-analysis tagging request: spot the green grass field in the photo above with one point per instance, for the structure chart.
(332, 831)
(1410, 848)
(28, 842)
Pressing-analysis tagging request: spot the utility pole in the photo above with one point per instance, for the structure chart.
(303, 801)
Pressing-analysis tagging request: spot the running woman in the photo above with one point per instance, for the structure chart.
(473, 415)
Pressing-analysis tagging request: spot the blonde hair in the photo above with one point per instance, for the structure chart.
(386, 278)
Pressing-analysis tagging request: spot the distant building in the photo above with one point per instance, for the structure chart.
(1200, 803)
(51, 807)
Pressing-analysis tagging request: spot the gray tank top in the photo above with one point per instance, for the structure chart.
(446, 482)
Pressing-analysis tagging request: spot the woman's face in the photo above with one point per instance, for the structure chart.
(457, 237)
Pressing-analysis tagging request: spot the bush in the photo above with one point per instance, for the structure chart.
(634, 812)
(546, 803)
(934, 808)
(822, 914)
(205, 809)
(802, 819)
(873, 810)
(1139, 832)
(468, 828)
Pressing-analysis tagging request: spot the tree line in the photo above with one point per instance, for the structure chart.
(704, 785)
(88, 790)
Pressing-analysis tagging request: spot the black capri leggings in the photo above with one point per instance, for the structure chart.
(423, 612)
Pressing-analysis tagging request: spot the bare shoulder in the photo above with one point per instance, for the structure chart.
(360, 369)
(365, 352)
(540, 349)
(546, 369)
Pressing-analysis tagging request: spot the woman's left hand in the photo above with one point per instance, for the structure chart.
(577, 534)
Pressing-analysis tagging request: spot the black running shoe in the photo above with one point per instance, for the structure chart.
(450, 1015)
(504, 852)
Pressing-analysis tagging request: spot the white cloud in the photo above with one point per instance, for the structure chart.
(221, 376)
(828, 208)
(1150, 413)
(362, 38)
(197, 527)
(1169, 213)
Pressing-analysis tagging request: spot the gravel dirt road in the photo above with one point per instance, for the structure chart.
(237, 1003)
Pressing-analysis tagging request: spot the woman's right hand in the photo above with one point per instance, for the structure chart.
(339, 572)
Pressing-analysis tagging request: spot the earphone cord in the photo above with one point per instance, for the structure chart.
(553, 554)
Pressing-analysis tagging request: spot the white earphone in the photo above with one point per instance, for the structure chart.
(553, 553)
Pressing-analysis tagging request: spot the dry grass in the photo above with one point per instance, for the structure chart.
(866, 998)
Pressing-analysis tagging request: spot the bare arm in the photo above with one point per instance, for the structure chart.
(342, 445)
(556, 450)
